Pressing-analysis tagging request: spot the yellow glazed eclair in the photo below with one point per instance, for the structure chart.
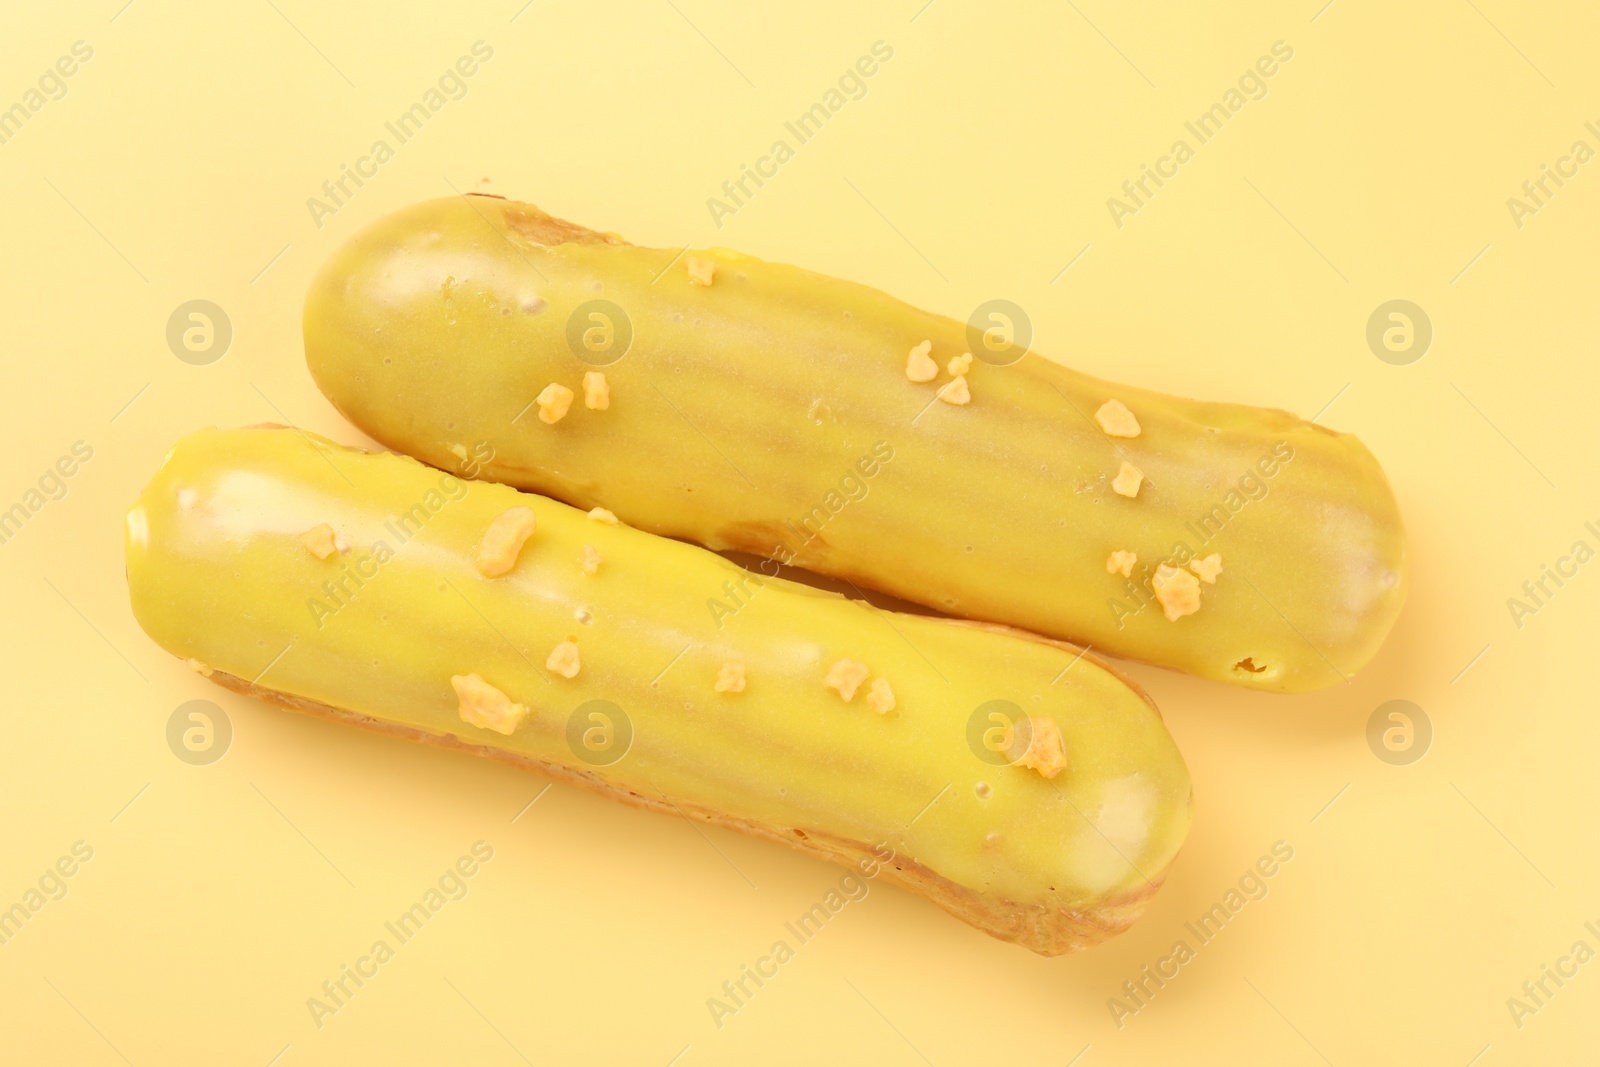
(714, 397)
(1021, 785)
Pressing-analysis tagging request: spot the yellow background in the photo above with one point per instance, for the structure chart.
(978, 165)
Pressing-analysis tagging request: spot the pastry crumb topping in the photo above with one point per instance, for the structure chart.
(554, 401)
(1121, 562)
(730, 678)
(701, 271)
(596, 391)
(846, 675)
(880, 698)
(481, 704)
(955, 391)
(1178, 591)
(1207, 567)
(1046, 753)
(563, 659)
(602, 515)
(1128, 480)
(959, 365)
(1116, 420)
(588, 559)
(502, 541)
(319, 541)
(920, 366)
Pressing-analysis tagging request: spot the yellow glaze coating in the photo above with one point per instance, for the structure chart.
(218, 574)
(740, 412)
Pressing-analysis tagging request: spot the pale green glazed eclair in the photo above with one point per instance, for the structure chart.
(1018, 783)
(715, 397)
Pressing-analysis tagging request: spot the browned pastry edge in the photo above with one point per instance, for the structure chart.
(1047, 931)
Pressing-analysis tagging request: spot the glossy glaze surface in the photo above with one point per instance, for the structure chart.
(218, 573)
(740, 411)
